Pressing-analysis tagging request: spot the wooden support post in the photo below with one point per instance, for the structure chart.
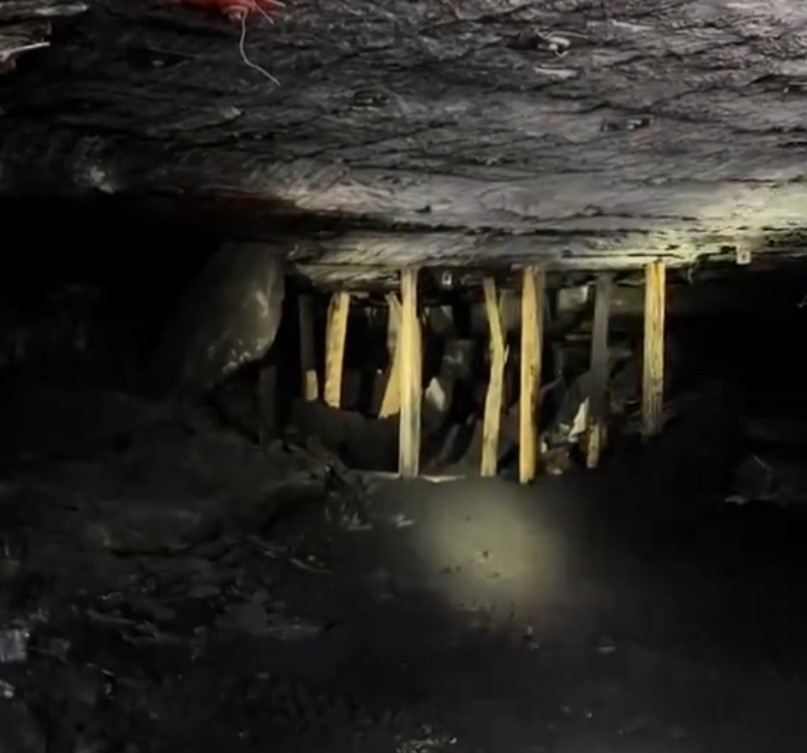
(533, 286)
(391, 402)
(308, 366)
(598, 394)
(410, 375)
(653, 372)
(335, 339)
(493, 399)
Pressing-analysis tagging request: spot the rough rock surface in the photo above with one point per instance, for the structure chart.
(228, 317)
(25, 25)
(166, 585)
(579, 131)
(314, 612)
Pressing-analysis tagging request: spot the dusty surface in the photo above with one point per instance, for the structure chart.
(174, 588)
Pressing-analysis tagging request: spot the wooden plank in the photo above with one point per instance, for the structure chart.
(391, 402)
(410, 374)
(493, 399)
(653, 371)
(308, 364)
(598, 396)
(335, 339)
(533, 283)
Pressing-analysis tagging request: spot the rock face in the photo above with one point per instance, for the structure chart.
(579, 132)
(228, 317)
(25, 25)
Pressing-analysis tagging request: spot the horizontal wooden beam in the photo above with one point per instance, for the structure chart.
(358, 257)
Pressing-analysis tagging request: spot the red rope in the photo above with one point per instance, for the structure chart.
(237, 10)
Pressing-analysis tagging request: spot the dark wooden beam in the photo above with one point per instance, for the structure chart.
(308, 361)
(598, 394)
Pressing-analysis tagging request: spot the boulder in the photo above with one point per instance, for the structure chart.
(228, 317)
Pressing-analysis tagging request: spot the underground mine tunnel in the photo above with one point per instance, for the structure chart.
(405, 376)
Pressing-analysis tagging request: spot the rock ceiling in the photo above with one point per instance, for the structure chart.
(587, 133)
(25, 25)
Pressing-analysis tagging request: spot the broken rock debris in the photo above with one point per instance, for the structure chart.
(132, 562)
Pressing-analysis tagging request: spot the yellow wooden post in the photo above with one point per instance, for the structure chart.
(533, 285)
(493, 399)
(410, 376)
(335, 339)
(653, 371)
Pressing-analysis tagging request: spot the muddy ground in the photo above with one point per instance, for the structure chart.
(166, 585)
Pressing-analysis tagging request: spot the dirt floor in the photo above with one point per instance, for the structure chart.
(168, 586)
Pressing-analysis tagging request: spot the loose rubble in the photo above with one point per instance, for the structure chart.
(167, 585)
